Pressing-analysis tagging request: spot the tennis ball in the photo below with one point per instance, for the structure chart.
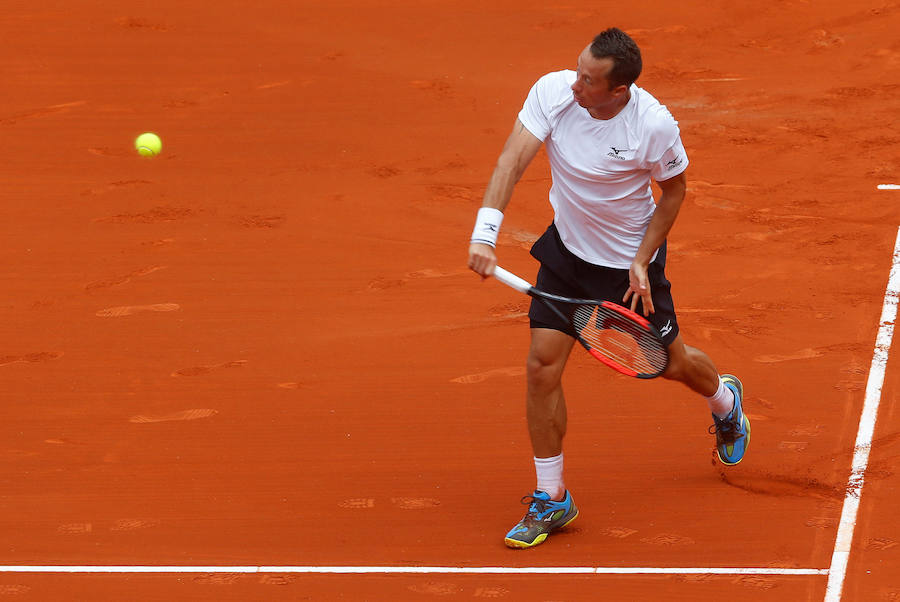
(148, 144)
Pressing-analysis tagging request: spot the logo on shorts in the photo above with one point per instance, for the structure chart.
(666, 329)
(617, 153)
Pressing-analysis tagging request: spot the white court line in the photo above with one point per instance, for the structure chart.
(889, 187)
(381, 570)
(841, 555)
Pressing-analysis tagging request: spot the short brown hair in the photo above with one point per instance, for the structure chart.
(624, 52)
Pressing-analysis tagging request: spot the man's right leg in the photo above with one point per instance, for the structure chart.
(544, 400)
(551, 506)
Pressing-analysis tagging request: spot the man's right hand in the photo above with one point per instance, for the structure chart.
(482, 259)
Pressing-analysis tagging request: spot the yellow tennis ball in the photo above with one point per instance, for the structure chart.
(148, 144)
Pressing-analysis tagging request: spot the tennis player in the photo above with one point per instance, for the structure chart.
(605, 139)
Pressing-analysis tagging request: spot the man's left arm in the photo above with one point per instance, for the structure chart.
(663, 219)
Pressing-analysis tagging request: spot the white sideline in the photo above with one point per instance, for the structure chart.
(381, 570)
(844, 539)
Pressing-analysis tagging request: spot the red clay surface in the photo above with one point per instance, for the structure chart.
(263, 348)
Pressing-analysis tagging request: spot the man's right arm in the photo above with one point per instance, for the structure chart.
(518, 152)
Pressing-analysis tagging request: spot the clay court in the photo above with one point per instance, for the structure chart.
(256, 366)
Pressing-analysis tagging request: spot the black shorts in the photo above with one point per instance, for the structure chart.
(563, 273)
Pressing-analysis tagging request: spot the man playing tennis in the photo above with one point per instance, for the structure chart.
(605, 140)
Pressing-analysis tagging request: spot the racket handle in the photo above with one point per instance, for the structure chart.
(511, 280)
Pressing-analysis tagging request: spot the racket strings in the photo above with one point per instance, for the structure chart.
(620, 339)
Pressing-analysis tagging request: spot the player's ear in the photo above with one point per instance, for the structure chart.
(620, 90)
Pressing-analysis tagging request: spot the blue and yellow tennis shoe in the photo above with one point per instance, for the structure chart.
(543, 516)
(733, 431)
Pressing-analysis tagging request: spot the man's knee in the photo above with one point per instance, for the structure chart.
(547, 358)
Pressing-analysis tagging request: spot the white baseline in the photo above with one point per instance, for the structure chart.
(380, 570)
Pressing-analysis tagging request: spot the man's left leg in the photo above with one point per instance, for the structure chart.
(724, 395)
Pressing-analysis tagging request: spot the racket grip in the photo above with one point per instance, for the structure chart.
(511, 280)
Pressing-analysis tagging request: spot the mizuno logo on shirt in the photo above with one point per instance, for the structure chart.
(617, 153)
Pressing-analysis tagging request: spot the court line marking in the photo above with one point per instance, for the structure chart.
(380, 570)
(889, 187)
(844, 540)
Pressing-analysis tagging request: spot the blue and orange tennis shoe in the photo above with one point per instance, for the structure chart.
(543, 516)
(733, 431)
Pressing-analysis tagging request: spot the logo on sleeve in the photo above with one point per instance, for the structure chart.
(670, 165)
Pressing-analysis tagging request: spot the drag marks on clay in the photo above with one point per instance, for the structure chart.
(756, 581)
(506, 311)
(31, 358)
(357, 503)
(435, 588)
(415, 503)
(796, 446)
(470, 379)
(75, 528)
(153, 215)
(129, 310)
(438, 88)
(443, 192)
(618, 532)
(402, 503)
(822, 522)
(522, 239)
(776, 485)
(802, 354)
(158, 243)
(114, 186)
(433, 273)
(174, 416)
(198, 370)
(807, 430)
(261, 221)
(103, 151)
(709, 196)
(490, 592)
(133, 524)
(384, 171)
(41, 112)
(217, 578)
(277, 579)
(273, 85)
(293, 385)
(127, 524)
(880, 544)
(138, 23)
(384, 283)
(668, 539)
(123, 279)
(14, 589)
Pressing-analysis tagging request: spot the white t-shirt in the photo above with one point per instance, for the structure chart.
(601, 169)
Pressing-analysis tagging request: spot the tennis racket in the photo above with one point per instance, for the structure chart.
(615, 335)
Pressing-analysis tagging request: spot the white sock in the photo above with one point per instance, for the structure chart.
(722, 402)
(550, 476)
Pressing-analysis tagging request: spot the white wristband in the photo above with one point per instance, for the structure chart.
(487, 226)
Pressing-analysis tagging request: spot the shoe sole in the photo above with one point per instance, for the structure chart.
(521, 545)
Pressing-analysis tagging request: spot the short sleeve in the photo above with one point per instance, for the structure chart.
(673, 161)
(535, 113)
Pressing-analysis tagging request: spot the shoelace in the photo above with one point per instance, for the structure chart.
(728, 430)
(540, 505)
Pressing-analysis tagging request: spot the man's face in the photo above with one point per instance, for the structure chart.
(591, 87)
